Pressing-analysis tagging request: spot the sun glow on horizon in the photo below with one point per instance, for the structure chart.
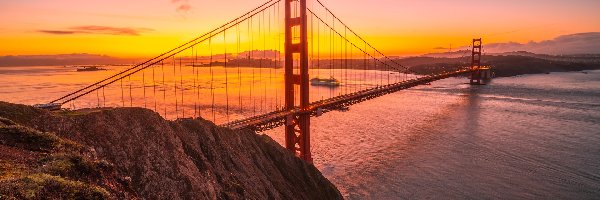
(398, 28)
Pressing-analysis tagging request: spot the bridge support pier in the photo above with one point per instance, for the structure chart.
(297, 127)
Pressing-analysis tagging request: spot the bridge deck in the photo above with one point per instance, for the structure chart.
(277, 118)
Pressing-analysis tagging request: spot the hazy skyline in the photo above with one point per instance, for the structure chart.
(139, 28)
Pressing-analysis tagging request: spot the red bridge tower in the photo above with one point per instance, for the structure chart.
(481, 74)
(297, 127)
(476, 62)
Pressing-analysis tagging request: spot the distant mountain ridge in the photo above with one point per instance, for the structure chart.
(572, 44)
(95, 59)
(452, 54)
(61, 59)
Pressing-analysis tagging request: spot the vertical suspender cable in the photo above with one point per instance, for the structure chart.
(364, 82)
(175, 91)
(312, 43)
(197, 86)
(345, 61)
(318, 55)
(194, 72)
(270, 60)
(341, 62)
(239, 71)
(98, 98)
(162, 66)
(331, 73)
(154, 87)
(122, 94)
(226, 77)
(103, 97)
(265, 58)
(278, 55)
(377, 70)
(182, 89)
(130, 92)
(332, 53)
(251, 60)
(212, 80)
(144, 86)
(261, 22)
(353, 72)
(387, 71)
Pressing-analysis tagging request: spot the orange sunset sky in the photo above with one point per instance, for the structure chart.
(142, 28)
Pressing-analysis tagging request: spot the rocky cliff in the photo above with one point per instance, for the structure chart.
(183, 159)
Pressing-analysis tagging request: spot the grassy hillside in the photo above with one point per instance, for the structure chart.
(41, 165)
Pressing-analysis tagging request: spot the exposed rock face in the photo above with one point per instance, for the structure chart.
(184, 159)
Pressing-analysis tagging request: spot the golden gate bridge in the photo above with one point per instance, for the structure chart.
(254, 73)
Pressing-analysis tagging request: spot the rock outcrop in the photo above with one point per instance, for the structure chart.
(183, 159)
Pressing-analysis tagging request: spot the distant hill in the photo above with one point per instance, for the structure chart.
(94, 59)
(452, 54)
(510, 64)
(62, 59)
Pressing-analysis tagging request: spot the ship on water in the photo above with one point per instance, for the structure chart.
(330, 82)
(89, 69)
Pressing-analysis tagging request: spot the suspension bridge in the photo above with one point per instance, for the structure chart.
(280, 64)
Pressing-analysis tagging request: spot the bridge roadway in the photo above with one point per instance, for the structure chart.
(275, 119)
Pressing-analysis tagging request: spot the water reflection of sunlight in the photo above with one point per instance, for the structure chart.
(188, 91)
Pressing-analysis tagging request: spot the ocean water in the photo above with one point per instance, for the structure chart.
(526, 137)
(217, 93)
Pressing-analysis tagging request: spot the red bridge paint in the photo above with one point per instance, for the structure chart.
(297, 124)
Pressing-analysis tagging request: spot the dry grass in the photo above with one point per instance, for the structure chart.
(23, 137)
(41, 165)
(45, 186)
(6, 122)
(74, 166)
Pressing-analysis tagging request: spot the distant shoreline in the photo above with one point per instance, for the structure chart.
(503, 65)
(513, 65)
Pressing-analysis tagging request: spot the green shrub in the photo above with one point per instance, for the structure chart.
(27, 138)
(75, 166)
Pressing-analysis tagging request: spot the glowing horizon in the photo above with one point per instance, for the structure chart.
(397, 28)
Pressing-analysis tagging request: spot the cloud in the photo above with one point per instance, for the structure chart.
(55, 32)
(579, 43)
(184, 8)
(103, 30)
(182, 5)
(111, 30)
